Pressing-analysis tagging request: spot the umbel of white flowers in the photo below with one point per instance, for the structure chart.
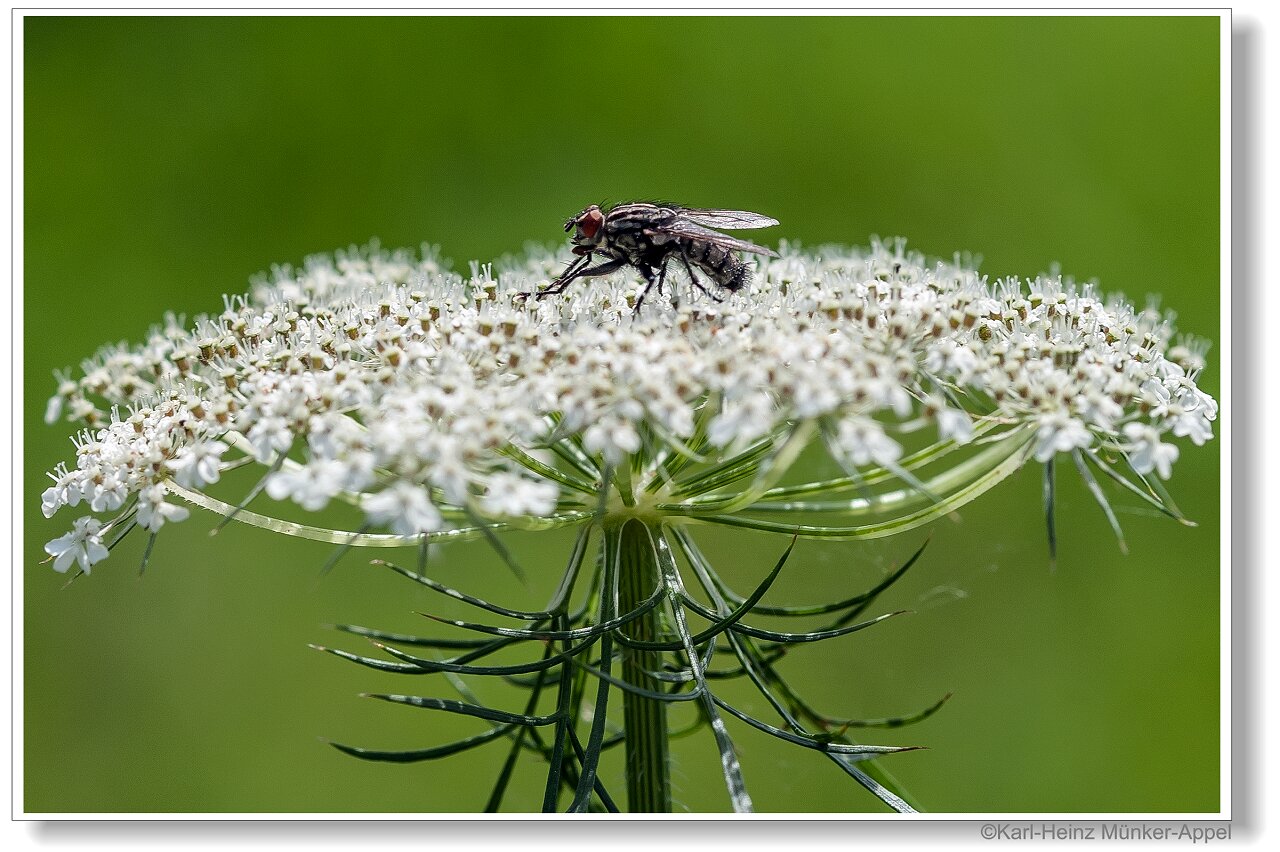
(442, 407)
(445, 405)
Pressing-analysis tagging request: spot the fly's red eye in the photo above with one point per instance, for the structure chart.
(590, 223)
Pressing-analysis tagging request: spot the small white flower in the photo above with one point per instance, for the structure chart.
(67, 389)
(198, 465)
(65, 491)
(311, 486)
(951, 358)
(512, 495)
(82, 545)
(51, 500)
(405, 507)
(107, 495)
(612, 437)
(269, 436)
(1148, 453)
(1194, 423)
(1192, 397)
(1156, 395)
(861, 441)
(153, 511)
(742, 420)
(954, 425)
(1099, 409)
(1060, 433)
(451, 476)
(53, 410)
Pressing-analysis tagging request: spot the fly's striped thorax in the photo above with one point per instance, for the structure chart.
(636, 216)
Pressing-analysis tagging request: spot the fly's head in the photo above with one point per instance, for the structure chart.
(588, 230)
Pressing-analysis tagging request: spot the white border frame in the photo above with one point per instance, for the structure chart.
(1229, 664)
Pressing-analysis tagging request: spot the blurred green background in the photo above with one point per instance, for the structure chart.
(167, 160)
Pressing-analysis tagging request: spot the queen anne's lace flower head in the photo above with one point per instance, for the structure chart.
(432, 400)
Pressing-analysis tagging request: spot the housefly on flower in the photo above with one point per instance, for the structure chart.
(651, 235)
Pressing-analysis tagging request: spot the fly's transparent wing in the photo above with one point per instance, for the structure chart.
(683, 228)
(732, 220)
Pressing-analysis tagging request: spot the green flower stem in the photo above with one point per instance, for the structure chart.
(648, 767)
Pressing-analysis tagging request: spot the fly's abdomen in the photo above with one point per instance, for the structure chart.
(721, 265)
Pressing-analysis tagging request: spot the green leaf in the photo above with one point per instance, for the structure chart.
(839, 726)
(849, 750)
(423, 753)
(517, 748)
(555, 764)
(146, 553)
(599, 787)
(719, 625)
(790, 638)
(547, 635)
(406, 639)
(1161, 505)
(758, 667)
(1096, 491)
(462, 596)
(819, 609)
(429, 666)
(734, 783)
(449, 705)
(590, 760)
(653, 695)
(371, 662)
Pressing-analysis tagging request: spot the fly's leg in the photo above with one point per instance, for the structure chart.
(647, 272)
(575, 270)
(662, 278)
(570, 272)
(581, 270)
(688, 267)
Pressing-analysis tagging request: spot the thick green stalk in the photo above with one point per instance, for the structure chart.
(648, 767)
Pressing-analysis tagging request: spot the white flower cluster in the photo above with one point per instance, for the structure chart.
(421, 395)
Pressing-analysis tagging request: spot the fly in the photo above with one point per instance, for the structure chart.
(650, 236)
